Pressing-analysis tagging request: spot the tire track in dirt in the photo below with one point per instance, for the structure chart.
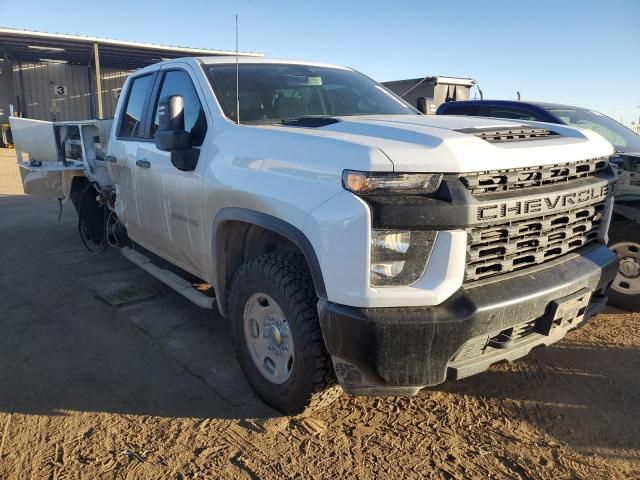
(503, 424)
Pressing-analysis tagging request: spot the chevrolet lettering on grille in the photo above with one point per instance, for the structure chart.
(542, 205)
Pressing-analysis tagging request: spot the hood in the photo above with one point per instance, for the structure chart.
(433, 143)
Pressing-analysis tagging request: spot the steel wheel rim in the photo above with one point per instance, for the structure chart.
(268, 338)
(627, 280)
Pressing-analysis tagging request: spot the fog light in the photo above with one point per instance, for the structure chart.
(398, 257)
(393, 241)
(387, 269)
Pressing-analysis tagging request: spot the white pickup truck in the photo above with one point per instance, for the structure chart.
(349, 240)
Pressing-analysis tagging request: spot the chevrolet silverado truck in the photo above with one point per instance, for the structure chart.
(351, 242)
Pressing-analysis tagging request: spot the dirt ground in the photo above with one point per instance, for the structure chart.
(106, 374)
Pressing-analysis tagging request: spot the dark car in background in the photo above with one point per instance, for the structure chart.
(624, 234)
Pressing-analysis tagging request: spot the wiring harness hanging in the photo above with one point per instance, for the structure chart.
(98, 224)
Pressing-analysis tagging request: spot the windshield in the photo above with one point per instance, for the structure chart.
(273, 93)
(615, 133)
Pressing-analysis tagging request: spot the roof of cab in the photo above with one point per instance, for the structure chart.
(230, 61)
(241, 59)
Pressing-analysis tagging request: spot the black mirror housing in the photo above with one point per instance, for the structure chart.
(169, 140)
(185, 160)
(171, 113)
(171, 135)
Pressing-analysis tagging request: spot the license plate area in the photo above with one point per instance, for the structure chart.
(565, 312)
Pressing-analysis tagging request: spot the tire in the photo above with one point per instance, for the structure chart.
(624, 240)
(92, 221)
(262, 292)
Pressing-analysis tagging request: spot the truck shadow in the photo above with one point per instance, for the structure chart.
(583, 392)
(48, 366)
(96, 334)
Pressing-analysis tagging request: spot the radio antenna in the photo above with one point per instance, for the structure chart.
(237, 78)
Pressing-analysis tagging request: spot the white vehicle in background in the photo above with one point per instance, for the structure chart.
(346, 237)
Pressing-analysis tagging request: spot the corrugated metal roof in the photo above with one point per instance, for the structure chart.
(34, 46)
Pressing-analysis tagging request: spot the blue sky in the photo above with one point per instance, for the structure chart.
(579, 52)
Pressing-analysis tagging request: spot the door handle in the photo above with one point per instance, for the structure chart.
(111, 159)
(143, 163)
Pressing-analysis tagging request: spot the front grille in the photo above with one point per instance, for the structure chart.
(503, 180)
(500, 248)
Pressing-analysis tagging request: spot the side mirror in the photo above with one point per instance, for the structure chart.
(421, 105)
(171, 135)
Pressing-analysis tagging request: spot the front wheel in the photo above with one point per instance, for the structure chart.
(624, 240)
(273, 307)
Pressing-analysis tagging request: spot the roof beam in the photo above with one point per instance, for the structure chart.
(96, 57)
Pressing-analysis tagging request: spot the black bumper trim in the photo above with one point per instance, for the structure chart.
(457, 370)
(400, 350)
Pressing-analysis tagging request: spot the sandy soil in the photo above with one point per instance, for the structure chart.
(105, 374)
(10, 182)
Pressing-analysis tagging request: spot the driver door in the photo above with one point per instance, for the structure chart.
(171, 200)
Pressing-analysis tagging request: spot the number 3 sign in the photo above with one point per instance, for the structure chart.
(59, 89)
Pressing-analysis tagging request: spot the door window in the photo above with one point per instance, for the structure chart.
(178, 82)
(131, 119)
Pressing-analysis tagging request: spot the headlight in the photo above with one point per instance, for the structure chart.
(371, 183)
(399, 257)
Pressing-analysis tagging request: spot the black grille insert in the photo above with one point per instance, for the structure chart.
(497, 249)
(512, 179)
(505, 339)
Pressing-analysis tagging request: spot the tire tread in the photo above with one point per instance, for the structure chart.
(290, 273)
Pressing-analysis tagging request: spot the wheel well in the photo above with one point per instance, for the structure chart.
(78, 183)
(238, 242)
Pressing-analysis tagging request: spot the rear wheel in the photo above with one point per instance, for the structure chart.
(91, 221)
(273, 306)
(624, 240)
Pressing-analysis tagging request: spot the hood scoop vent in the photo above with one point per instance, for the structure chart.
(310, 122)
(504, 135)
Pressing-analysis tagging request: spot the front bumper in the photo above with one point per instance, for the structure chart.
(398, 351)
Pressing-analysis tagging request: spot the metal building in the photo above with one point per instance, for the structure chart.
(52, 76)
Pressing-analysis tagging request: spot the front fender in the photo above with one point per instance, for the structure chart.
(268, 222)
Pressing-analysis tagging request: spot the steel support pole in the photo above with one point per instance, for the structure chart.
(96, 59)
